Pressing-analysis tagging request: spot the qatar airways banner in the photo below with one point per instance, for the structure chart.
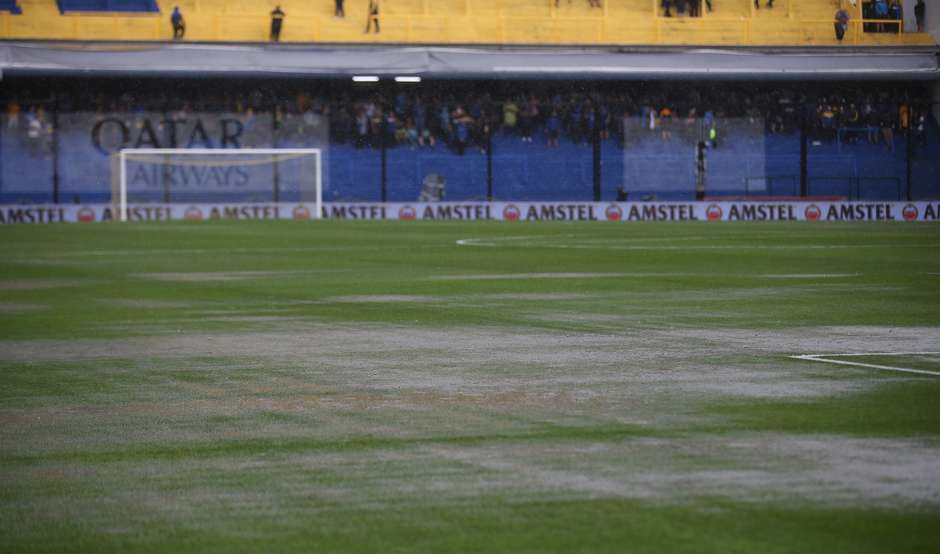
(494, 211)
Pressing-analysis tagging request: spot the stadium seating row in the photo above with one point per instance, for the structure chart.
(108, 6)
(732, 22)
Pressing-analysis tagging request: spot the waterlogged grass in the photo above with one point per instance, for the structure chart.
(461, 444)
(923, 362)
(501, 525)
(904, 409)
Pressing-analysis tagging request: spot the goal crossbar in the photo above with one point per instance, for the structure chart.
(124, 153)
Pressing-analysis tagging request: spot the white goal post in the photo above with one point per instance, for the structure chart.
(270, 156)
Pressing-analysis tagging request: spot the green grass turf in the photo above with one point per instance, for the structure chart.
(272, 441)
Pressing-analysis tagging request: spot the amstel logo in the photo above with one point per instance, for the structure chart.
(511, 212)
(86, 215)
(713, 212)
(192, 213)
(613, 212)
(910, 212)
(812, 213)
(300, 212)
(407, 213)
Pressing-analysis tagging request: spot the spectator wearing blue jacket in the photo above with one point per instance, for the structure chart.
(880, 9)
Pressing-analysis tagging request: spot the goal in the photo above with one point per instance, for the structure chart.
(217, 176)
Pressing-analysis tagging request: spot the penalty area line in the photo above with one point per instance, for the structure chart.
(828, 359)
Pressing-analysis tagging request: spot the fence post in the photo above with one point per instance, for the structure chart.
(803, 155)
(908, 153)
(489, 162)
(596, 153)
(55, 149)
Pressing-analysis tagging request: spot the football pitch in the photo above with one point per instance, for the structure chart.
(470, 387)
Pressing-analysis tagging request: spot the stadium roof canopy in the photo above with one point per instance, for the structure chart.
(332, 61)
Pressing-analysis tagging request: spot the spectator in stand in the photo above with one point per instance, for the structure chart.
(920, 128)
(179, 25)
(667, 5)
(665, 117)
(604, 114)
(895, 12)
(880, 8)
(887, 126)
(553, 129)
(869, 119)
(919, 15)
(339, 12)
(574, 122)
(842, 24)
(530, 110)
(13, 115)
(277, 21)
(362, 128)
(680, 7)
(591, 3)
(510, 115)
(373, 16)
(695, 7)
(461, 135)
(770, 4)
(850, 120)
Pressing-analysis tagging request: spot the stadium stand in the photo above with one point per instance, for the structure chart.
(857, 145)
(626, 22)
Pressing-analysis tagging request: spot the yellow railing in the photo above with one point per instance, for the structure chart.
(597, 28)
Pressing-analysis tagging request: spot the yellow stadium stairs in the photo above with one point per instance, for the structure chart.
(569, 22)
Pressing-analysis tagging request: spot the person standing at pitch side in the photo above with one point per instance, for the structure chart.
(179, 25)
(277, 21)
(373, 16)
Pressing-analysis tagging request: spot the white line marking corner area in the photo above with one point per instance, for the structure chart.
(828, 359)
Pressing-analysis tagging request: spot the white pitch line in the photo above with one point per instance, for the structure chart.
(842, 355)
(823, 358)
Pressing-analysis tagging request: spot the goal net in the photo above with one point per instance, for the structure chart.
(215, 176)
